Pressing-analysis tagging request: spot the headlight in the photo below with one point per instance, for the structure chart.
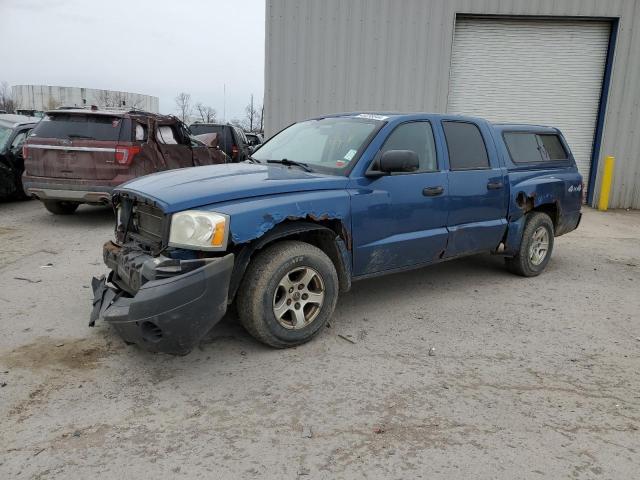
(198, 230)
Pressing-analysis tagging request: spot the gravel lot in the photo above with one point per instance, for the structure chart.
(531, 378)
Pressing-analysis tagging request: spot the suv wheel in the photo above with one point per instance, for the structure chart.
(60, 208)
(288, 294)
(535, 248)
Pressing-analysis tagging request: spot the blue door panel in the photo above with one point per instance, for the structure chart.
(477, 202)
(394, 225)
(477, 213)
(475, 237)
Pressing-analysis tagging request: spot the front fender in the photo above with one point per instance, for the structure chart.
(251, 218)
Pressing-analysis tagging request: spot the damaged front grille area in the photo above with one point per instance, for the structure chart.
(141, 223)
(148, 222)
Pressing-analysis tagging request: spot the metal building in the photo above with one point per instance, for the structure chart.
(47, 97)
(574, 64)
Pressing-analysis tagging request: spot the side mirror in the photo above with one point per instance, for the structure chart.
(399, 161)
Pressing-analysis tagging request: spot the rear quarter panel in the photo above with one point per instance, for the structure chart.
(531, 186)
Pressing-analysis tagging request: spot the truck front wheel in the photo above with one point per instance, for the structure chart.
(288, 294)
(535, 248)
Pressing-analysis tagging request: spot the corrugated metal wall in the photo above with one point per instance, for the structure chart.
(345, 55)
(536, 71)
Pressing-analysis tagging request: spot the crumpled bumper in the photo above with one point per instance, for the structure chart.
(169, 315)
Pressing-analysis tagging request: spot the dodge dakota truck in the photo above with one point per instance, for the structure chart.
(323, 203)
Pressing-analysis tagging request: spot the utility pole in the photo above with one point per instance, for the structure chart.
(224, 103)
(251, 115)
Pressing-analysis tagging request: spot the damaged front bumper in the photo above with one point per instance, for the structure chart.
(160, 303)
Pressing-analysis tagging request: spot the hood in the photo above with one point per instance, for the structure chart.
(184, 188)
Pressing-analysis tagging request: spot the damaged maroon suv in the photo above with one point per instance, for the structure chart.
(77, 156)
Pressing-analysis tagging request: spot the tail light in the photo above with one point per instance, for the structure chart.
(25, 151)
(125, 154)
(234, 151)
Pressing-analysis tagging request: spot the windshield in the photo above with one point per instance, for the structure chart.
(77, 126)
(5, 133)
(329, 144)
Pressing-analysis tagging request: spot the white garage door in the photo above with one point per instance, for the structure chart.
(546, 72)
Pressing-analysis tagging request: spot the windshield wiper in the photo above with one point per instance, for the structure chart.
(290, 163)
(252, 160)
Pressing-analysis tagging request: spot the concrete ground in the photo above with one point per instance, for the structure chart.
(531, 378)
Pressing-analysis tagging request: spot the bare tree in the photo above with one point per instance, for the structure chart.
(207, 114)
(6, 99)
(183, 106)
(253, 117)
(111, 99)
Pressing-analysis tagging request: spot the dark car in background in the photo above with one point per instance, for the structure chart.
(77, 156)
(231, 139)
(13, 133)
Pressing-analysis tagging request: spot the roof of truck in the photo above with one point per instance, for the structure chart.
(524, 127)
(399, 115)
(412, 115)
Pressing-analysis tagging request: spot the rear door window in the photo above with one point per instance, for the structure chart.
(79, 127)
(466, 147)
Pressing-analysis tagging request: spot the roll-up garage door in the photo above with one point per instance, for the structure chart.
(546, 72)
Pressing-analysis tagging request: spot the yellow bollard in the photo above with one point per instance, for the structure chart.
(605, 187)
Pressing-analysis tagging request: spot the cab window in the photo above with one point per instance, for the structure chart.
(417, 137)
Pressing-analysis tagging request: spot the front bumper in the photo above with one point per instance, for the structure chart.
(169, 315)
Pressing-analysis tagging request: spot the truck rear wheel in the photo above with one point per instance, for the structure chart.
(288, 294)
(535, 248)
(60, 208)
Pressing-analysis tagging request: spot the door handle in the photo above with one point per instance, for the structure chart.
(432, 191)
(494, 185)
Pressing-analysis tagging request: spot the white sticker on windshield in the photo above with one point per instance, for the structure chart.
(350, 154)
(372, 116)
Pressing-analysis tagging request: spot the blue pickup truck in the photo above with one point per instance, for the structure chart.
(323, 203)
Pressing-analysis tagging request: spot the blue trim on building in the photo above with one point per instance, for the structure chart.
(602, 109)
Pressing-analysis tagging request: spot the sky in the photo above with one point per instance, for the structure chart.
(156, 48)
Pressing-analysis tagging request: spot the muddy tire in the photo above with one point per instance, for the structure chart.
(536, 246)
(288, 294)
(60, 208)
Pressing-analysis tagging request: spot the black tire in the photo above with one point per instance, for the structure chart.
(60, 208)
(260, 288)
(523, 263)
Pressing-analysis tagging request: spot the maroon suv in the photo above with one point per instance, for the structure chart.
(78, 156)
